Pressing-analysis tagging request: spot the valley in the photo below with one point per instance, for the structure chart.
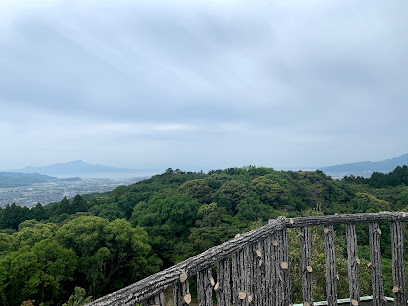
(54, 191)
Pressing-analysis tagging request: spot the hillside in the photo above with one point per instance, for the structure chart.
(365, 168)
(172, 216)
(15, 179)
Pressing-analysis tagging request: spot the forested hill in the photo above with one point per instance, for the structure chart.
(16, 179)
(109, 241)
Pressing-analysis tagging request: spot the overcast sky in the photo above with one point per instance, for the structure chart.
(202, 84)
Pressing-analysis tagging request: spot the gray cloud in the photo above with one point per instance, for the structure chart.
(190, 84)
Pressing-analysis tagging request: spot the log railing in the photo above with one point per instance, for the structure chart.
(253, 268)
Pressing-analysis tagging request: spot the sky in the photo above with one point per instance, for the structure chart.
(202, 84)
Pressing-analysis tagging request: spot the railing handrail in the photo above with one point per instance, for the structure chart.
(156, 283)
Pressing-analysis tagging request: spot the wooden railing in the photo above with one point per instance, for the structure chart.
(253, 268)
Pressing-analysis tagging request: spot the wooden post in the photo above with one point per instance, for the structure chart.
(375, 264)
(239, 275)
(258, 288)
(223, 285)
(283, 293)
(254, 278)
(306, 252)
(331, 274)
(181, 292)
(205, 284)
(272, 268)
(353, 263)
(398, 266)
(157, 300)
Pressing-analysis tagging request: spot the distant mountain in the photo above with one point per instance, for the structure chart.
(72, 168)
(14, 179)
(366, 168)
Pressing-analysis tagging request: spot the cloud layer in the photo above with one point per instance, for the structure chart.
(202, 84)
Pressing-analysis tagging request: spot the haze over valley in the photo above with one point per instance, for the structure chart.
(32, 185)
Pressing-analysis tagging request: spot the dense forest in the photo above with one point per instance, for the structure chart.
(95, 244)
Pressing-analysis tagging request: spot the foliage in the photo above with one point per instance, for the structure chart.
(78, 298)
(103, 243)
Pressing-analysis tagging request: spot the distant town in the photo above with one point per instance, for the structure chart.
(54, 191)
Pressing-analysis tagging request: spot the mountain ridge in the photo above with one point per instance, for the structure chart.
(70, 168)
(366, 168)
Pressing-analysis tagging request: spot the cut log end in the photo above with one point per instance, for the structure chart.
(354, 302)
(395, 289)
(291, 221)
(183, 277)
(379, 231)
(275, 243)
(284, 265)
(306, 304)
(309, 269)
(326, 230)
(242, 295)
(237, 235)
(249, 298)
(212, 281)
(357, 260)
(187, 298)
(258, 253)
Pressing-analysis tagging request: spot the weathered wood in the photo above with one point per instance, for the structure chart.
(345, 219)
(181, 293)
(157, 300)
(375, 265)
(331, 274)
(253, 278)
(239, 278)
(205, 284)
(353, 263)
(283, 293)
(272, 268)
(398, 266)
(260, 290)
(256, 282)
(306, 253)
(223, 285)
(158, 282)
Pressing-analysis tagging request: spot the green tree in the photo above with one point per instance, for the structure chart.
(230, 194)
(111, 254)
(213, 227)
(168, 221)
(198, 189)
(37, 273)
(78, 298)
(270, 192)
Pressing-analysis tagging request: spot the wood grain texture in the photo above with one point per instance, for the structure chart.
(306, 257)
(331, 273)
(181, 289)
(283, 292)
(353, 263)
(157, 300)
(375, 264)
(154, 284)
(223, 286)
(205, 283)
(398, 266)
(239, 278)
